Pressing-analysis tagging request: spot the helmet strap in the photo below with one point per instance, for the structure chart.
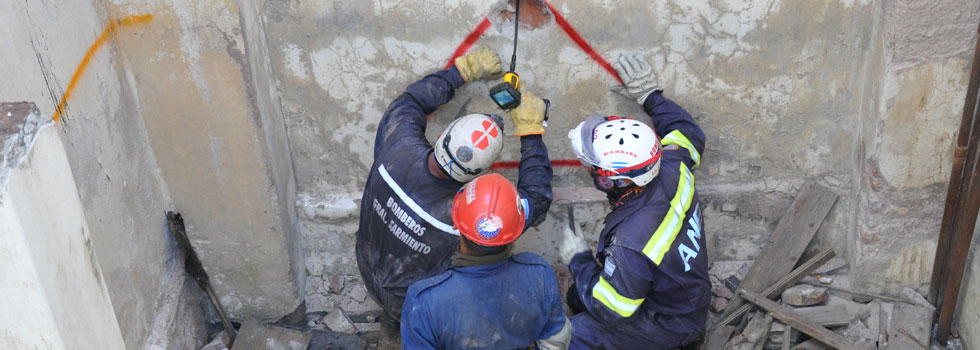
(443, 167)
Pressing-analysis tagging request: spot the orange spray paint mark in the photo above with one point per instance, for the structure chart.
(106, 33)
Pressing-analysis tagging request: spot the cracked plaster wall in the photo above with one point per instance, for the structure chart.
(780, 88)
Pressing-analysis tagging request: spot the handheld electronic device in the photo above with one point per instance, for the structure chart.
(506, 94)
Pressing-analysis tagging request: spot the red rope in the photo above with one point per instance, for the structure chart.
(580, 41)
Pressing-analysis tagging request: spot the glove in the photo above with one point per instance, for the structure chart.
(637, 77)
(571, 244)
(481, 63)
(528, 118)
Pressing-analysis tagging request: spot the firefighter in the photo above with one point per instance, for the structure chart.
(404, 234)
(647, 285)
(489, 298)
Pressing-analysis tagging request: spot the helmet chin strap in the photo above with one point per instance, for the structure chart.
(444, 166)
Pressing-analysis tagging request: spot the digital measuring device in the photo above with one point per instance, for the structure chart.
(506, 94)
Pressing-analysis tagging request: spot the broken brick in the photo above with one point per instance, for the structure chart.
(805, 295)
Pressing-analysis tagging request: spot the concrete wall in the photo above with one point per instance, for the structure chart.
(54, 294)
(907, 145)
(170, 114)
(220, 146)
(122, 194)
(968, 314)
(785, 90)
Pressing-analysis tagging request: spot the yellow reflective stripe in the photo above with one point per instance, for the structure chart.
(607, 295)
(662, 239)
(678, 139)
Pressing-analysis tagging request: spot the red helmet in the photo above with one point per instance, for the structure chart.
(488, 211)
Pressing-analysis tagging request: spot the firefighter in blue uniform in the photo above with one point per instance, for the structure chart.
(489, 298)
(404, 233)
(647, 286)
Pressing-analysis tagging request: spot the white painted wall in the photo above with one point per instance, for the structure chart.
(54, 296)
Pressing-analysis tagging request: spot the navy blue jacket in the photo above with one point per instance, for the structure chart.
(648, 283)
(507, 305)
(405, 232)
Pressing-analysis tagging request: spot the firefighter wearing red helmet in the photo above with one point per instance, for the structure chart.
(647, 286)
(405, 234)
(489, 298)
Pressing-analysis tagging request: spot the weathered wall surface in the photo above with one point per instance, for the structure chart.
(968, 317)
(54, 293)
(114, 168)
(220, 146)
(776, 85)
(908, 143)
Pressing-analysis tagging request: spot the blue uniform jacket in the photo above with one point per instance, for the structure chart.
(648, 285)
(405, 232)
(507, 305)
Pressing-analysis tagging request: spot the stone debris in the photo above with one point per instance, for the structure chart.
(358, 293)
(804, 295)
(777, 331)
(718, 304)
(825, 279)
(754, 334)
(336, 284)
(337, 321)
(722, 292)
(218, 343)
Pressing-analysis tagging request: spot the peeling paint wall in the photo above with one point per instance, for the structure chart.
(908, 141)
(780, 88)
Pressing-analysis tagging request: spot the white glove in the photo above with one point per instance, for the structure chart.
(638, 79)
(571, 244)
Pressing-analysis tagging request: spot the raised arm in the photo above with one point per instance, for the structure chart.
(672, 123)
(676, 127)
(405, 117)
(534, 177)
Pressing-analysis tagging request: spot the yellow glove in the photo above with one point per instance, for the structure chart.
(481, 63)
(528, 118)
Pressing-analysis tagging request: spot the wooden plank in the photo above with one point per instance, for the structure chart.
(827, 316)
(783, 283)
(787, 336)
(255, 336)
(719, 336)
(860, 294)
(788, 241)
(790, 318)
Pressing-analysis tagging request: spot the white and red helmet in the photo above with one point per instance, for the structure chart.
(469, 146)
(618, 148)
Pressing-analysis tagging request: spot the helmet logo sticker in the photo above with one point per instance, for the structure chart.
(481, 138)
(471, 192)
(489, 226)
(464, 154)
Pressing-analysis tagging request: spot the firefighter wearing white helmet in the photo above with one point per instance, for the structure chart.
(469, 146)
(405, 232)
(647, 286)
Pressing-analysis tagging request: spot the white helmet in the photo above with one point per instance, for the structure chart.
(469, 146)
(618, 148)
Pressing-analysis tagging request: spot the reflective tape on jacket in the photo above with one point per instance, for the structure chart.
(663, 238)
(414, 206)
(608, 296)
(677, 138)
